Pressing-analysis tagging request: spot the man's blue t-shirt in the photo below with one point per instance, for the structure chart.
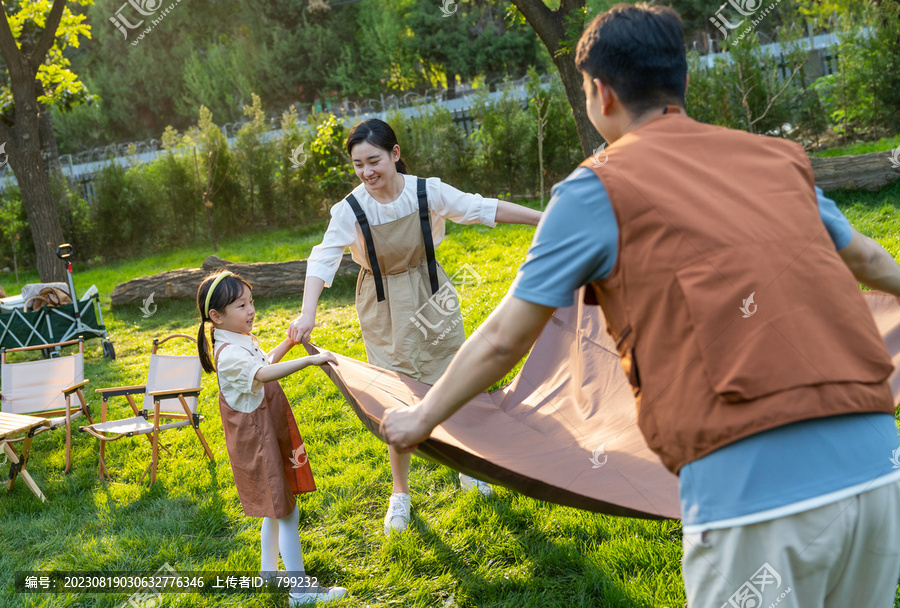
(747, 481)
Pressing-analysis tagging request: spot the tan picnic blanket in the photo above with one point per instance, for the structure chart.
(564, 430)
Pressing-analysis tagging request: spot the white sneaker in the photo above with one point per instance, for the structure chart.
(397, 517)
(470, 483)
(315, 595)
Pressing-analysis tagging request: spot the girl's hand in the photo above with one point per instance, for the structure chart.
(300, 328)
(323, 357)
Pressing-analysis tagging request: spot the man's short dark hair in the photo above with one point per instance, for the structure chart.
(638, 50)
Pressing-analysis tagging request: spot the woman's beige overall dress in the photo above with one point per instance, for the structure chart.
(413, 328)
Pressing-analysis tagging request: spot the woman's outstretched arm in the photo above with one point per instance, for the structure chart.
(511, 213)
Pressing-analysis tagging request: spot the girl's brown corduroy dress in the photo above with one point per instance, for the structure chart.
(267, 454)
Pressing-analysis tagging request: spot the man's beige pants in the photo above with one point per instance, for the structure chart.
(842, 555)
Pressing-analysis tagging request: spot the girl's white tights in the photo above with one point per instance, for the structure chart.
(281, 534)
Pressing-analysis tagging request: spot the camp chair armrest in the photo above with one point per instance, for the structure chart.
(174, 392)
(21, 349)
(117, 391)
(75, 387)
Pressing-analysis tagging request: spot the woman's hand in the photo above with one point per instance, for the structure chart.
(300, 328)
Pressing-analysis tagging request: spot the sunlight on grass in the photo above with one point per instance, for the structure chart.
(882, 145)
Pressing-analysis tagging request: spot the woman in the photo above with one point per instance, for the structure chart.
(392, 223)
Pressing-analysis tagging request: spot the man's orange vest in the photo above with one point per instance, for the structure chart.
(731, 309)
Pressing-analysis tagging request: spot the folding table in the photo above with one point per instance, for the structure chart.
(14, 424)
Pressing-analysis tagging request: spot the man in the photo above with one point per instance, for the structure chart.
(759, 374)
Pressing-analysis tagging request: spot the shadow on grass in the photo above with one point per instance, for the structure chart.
(886, 196)
(557, 574)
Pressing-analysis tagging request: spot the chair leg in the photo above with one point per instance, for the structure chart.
(155, 456)
(203, 441)
(101, 467)
(84, 407)
(144, 474)
(68, 438)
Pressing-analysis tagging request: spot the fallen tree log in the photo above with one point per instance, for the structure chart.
(269, 279)
(857, 172)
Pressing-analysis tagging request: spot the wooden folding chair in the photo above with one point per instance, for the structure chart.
(171, 392)
(44, 388)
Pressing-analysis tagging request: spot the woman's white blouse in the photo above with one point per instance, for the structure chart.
(444, 202)
(236, 368)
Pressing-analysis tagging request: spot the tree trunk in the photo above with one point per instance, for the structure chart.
(451, 84)
(38, 202)
(49, 149)
(23, 134)
(14, 247)
(572, 81)
(212, 234)
(550, 26)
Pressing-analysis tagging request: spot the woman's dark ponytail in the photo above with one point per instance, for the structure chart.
(379, 134)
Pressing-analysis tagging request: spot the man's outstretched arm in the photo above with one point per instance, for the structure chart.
(487, 356)
(871, 264)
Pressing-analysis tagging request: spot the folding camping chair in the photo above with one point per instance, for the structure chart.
(45, 388)
(171, 392)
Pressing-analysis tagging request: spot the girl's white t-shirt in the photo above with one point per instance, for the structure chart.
(444, 202)
(238, 362)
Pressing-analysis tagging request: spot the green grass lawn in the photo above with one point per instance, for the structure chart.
(460, 550)
(882, 145)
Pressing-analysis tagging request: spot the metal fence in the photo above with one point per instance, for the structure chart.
(80, 169)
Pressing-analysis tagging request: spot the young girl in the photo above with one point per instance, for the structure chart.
(392, 223)
(265, 448)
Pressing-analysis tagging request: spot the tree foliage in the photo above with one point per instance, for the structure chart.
(218, 53)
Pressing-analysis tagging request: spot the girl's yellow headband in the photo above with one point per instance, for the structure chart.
(212, 288)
